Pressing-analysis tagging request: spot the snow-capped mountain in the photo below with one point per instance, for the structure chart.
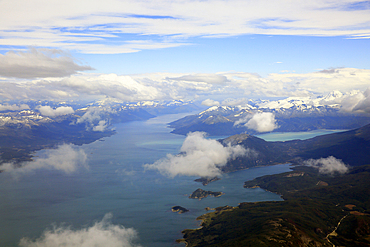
(290, 114)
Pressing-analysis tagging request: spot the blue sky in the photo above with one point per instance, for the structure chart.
(148, 50)
(262, 54)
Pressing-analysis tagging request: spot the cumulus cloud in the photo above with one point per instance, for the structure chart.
(101, 234)
(329, 165)
(199, 157)
(50, 112)
(209, 102)
(65, 158)
(14, 107)
(38, 63)
(261, 122)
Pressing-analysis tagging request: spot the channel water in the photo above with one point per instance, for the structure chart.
(116, 182)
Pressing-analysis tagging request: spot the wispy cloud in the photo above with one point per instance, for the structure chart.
(129, 26)
(101, 234)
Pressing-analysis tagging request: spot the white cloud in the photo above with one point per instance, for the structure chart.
(261, 122)
(199, 157)
(161, 24)
(102, 125)
(14, 107)
(235, 102)
(50, 112)
(101, 234)
(96, 118)
(65, 158)
(160, 86)
(329, 165)
(206, 78)
(357, 102)
(38, 63)
(209, 102)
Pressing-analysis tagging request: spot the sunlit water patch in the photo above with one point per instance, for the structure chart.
(303, 135)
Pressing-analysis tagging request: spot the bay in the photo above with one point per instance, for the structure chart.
(116, 182)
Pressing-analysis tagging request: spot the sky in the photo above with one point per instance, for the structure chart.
(189, 50)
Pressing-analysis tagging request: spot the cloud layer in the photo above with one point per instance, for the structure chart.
(162, 24)
(167, 86)
(101, 234)
(329, 165)
(199, 157)
(65, 158)
(38, 63)
(14, 107)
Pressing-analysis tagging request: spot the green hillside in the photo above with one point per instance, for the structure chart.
(310, 215)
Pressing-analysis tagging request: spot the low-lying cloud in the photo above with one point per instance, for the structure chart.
(66, 158)
(329, 165)
(96, 118)
(260, 122)
(206, 78)
(357, 102)
(14, 107)
(199, 157)
(50, 112)
(101, 234)
(38, 63)
(167, 86)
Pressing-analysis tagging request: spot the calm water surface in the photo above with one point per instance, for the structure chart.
(116, 183)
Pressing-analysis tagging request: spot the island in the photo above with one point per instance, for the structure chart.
(318, 210)
(206, 180)
(179, 209)
(200, 194)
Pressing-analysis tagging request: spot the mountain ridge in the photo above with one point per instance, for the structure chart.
(352, 147)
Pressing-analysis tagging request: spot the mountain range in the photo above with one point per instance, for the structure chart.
(287, 115)
(44, 124)
(320, 208)
(352, 147)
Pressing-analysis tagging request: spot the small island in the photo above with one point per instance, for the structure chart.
(179, 209)
(206, 180)
(200, 194)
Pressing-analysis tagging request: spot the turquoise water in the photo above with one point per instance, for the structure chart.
(117, 183)
(280, 136)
